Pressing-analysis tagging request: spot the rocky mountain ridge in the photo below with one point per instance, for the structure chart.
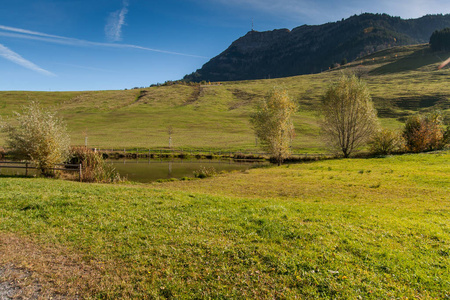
(311, 49)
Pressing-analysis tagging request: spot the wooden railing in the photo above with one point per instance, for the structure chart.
(30, 166)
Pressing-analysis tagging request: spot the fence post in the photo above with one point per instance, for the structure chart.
(26, 169)
(80, 172)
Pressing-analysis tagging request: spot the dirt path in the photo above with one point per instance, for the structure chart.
(33, 271)
(16, 283)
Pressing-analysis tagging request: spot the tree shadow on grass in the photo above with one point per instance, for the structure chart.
(414, 61)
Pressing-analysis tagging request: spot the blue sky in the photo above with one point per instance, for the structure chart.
(60, 45)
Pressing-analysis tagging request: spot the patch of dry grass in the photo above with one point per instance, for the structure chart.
(45, 271)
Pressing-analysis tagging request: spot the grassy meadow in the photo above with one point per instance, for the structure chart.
(402, 81)
(339, 229)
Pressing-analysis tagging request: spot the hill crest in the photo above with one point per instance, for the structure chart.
(310, 49)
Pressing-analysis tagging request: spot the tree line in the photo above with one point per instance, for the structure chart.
(440, 40)
(348, 122)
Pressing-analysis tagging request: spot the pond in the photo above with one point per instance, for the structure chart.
(145, 170)
(148, 170)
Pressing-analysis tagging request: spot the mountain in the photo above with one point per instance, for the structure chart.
(312, 49)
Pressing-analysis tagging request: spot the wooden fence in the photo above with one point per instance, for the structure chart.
(30, 166)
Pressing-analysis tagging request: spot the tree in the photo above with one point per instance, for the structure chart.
(385, 141)
(440, 40)
(273, 125)
(348, 116)
(39, 136)
(361, 72)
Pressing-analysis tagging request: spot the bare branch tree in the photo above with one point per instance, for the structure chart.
(349, 118)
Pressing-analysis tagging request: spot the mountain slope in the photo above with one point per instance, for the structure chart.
(402, 80)
(312, 49)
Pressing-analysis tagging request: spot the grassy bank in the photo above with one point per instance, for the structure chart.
(402, 81)
(374, 228)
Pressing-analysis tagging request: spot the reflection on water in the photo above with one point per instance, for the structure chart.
(143, 170)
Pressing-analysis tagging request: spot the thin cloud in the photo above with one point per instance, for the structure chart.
(116, 20)
(55, 39)
(29, 32)
(317, 12)
(16, 58)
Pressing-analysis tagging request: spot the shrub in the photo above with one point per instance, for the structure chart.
(94, 167)
(205, 172)
(385, 141)
(39, 136)
(161, 180)
(425, 132)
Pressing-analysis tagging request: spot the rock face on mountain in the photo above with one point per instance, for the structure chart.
(312, 49)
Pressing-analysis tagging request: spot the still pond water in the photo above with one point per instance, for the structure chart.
(144, 170)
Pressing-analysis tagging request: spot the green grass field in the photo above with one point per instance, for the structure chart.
(402, 80)
(339, 229)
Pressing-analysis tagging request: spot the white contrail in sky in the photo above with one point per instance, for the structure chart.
(24, 31)
(49, 38)
(116, 20)
(16, 58)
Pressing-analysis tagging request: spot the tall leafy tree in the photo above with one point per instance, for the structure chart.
(273, 125)
(349, 118)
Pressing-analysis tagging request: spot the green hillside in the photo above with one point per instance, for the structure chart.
(402, 80)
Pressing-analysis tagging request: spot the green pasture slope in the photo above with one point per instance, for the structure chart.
(402, 80)
(340, 229)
